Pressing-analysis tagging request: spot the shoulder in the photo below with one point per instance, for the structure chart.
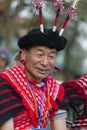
(6, 90)
(3, 83)
(56, 89)
(52, 81)
(10, 102)
(2, 80)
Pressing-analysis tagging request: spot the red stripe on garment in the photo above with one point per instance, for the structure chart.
(3, 83)
(74, 95)
(5, 91)
(60, 94)
(9, 108)
(7, 99)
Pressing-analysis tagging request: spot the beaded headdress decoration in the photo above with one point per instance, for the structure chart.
(59, 6)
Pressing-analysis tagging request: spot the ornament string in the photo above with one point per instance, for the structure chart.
(38, 8)
(58, 4)
(71, 13)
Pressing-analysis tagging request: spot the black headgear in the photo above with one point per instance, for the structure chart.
(49, 39)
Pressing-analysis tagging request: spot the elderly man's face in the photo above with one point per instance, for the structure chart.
(3, 64)
(39, 62)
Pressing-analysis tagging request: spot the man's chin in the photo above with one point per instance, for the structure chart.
(41, 76)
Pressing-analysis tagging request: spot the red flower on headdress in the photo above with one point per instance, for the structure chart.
(59, 5)
(38, 4)
(71, 12)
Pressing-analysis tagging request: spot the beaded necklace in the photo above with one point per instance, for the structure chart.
(37, 109)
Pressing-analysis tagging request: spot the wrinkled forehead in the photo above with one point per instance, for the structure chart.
(43, 49)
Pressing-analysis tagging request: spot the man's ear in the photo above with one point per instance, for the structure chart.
(23, 54)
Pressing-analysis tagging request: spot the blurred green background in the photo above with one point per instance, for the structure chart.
(15, 18)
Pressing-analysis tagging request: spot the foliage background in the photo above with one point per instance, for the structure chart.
(15, 17)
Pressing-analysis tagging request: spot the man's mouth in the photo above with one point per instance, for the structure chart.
(43, 71)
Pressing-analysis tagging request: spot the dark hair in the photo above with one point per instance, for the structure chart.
(49, 39)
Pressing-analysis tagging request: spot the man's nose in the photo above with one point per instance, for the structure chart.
(45, 61)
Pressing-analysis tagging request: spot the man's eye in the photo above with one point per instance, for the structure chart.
(39, 55)
(52, 57)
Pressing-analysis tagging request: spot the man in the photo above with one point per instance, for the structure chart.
(29, 96)
(4, 58)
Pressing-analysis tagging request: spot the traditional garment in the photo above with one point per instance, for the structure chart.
(10, 102)
(16, 99)
(76, 91)
(80, 123)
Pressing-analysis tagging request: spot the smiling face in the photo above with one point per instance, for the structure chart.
(39, 62)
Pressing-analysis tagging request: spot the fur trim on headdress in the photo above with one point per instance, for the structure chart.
(49, 39)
